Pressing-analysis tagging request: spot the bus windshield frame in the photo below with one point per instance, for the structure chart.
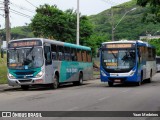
(25, 57)
(121, 59)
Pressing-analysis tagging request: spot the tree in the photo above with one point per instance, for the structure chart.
(156, 43)
(50, 22)
(152, 13)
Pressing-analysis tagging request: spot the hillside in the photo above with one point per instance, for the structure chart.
(18, 32)
(131, 26)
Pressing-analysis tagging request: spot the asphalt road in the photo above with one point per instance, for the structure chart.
(92, 96)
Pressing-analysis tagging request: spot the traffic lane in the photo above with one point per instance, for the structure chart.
(100, 87)
(76, 98)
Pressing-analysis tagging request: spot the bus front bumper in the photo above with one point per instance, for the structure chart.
(33, 81)
(119, 79)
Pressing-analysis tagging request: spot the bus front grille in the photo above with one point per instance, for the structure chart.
(24, 81)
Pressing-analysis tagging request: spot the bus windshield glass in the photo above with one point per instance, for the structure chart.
(118, 59)
(25, 58)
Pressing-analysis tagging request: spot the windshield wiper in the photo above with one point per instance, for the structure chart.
(29, 51)
(114, 54)
(26, 60)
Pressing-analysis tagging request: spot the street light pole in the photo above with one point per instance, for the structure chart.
(113, 28)
(77, 22)
(112, 18)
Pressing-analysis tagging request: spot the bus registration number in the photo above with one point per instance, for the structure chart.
(72, 70)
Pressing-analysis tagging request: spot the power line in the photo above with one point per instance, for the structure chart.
(21, 7)
(30, 3)
(19, 13)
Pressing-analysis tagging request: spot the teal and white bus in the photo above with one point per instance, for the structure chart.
(127, 61)
(38, 61)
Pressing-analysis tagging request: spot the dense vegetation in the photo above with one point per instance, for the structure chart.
(132, 25)
(51, 22)
(18, 32)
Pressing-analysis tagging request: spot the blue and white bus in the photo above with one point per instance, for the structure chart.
(127, 61)
(38, 61)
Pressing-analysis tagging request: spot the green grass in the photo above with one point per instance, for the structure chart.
(3, 70)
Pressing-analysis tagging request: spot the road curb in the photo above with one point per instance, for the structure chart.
(4, 87)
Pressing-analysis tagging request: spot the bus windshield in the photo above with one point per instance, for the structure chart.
(25, 58)
(118, 60)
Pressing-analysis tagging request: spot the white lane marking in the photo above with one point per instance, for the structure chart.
(125, 91)
(74, 108)
(103, 98)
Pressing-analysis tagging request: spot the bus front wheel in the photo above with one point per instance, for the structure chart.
(139, 83)
(55, 83)
(110, 84)
(25, 87)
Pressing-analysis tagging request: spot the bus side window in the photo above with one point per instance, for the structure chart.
(84, 56)
(79, 55)
(54, 55)
(60, 53)
(54, 52)
(67, 53)
(73, 54)
(89, 58)
(47, 54)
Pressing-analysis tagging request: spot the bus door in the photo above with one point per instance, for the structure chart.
(48, 64)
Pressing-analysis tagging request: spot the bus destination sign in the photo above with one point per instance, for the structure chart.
(25, 43)
(128, 45)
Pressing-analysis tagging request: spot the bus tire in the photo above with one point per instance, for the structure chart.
(55, 83)
(110, 84)
(149, 79)
(139, 83)
(80, 81)
(25, 87)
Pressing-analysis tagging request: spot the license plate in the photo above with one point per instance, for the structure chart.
(117, 80)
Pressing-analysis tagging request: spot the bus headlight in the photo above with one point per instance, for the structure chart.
(11, 76)
(103, 74)
(132, 72)
(39, 74)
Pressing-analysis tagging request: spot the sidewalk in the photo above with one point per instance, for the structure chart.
(4, 87)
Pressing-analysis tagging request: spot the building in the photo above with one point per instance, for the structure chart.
(149, 37)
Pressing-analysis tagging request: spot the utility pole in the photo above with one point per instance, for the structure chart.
(7, 23)
(112, 18)
(77, 22)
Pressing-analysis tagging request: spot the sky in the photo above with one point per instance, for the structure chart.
(22, 11)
